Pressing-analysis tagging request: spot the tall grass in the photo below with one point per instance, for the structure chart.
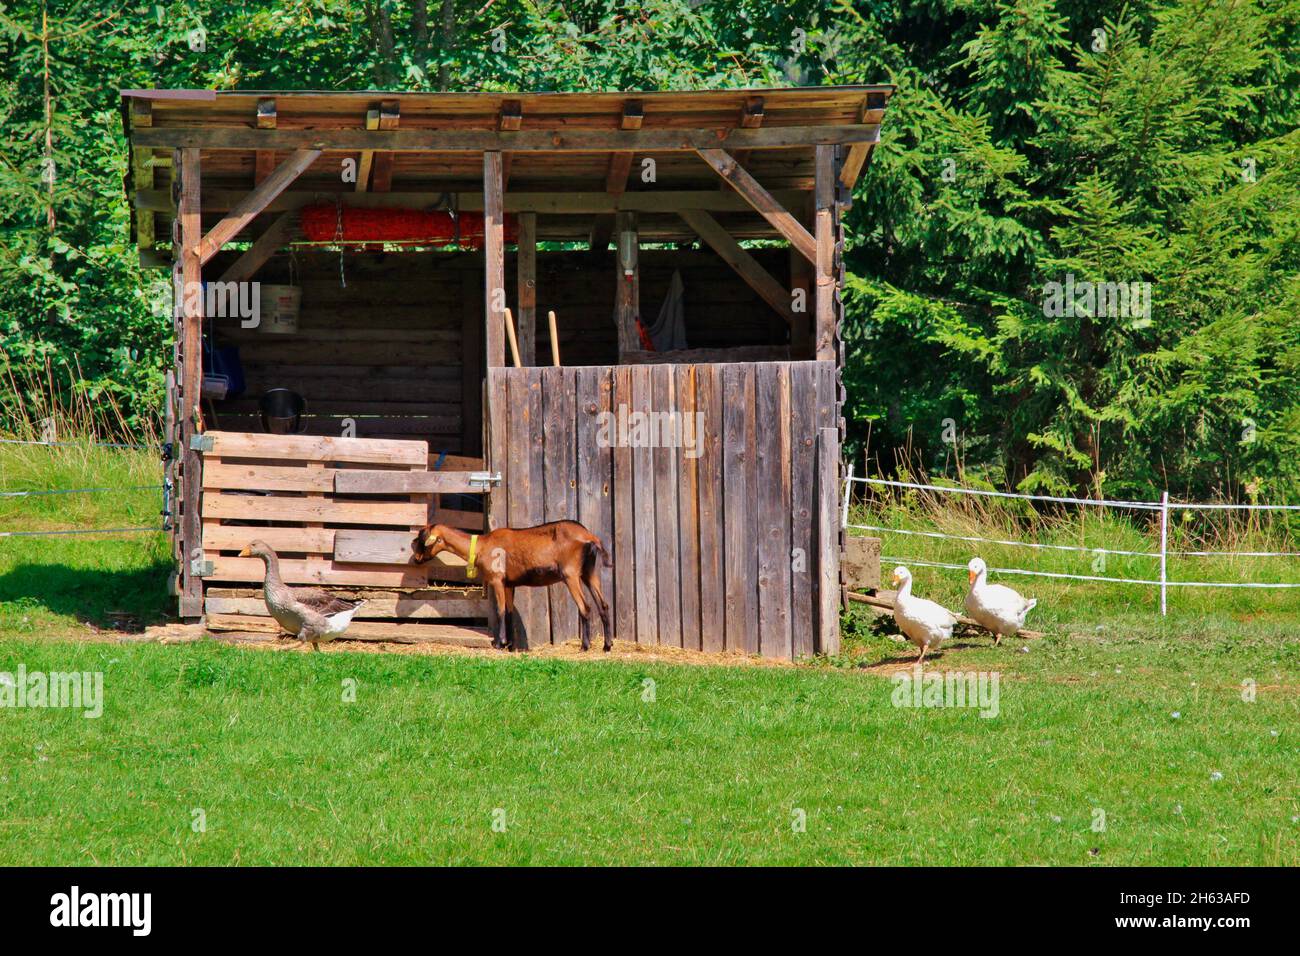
(1225, 533)
(37, 408)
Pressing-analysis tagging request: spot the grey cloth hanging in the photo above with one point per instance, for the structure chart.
(669, 330)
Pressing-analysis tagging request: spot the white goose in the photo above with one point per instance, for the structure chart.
(926, 624)
(995, 606)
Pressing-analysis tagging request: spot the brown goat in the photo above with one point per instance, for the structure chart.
(560, 551)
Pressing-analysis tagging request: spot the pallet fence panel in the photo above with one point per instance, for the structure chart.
(688, 505)
(708, 398)
(624, 516)
(803, 445)
(594, 479)
(772, 506)
(664, 428)
(643, 509)
(718, 536)
(526, 453)
(560, 483)
(739, 557)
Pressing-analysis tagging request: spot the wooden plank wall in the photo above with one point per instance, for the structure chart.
(399, 351)
(716, 550)
(280, 489)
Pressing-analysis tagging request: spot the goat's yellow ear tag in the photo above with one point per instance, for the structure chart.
(471, 570)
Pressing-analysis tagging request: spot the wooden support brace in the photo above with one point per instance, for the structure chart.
(746, 266)
(267, 244)
(252, 204)
(762, 201)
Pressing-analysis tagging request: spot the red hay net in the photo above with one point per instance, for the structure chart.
(326, 222)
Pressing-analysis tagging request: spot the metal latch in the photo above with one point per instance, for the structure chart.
(200, 568)
(485, 479)
(201, 443)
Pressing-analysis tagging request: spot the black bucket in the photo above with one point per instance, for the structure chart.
(282, 412)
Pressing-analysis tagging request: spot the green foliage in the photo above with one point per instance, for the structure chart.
(1029, 141)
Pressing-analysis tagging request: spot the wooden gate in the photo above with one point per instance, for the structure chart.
(703, 481)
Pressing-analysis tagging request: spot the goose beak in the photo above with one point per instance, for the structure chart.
(246, 553)
(971, 576)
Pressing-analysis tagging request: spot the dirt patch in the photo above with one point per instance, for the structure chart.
(623, 650)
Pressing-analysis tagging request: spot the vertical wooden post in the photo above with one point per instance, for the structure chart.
(824, 324)
(471, 369)
(627, 298)
(828, 541)
(494, 250)
(189, 213)
(802, 279)
(528, 287)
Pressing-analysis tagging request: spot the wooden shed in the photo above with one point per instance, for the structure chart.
(358, 252)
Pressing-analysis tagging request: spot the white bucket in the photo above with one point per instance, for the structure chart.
(280, 305)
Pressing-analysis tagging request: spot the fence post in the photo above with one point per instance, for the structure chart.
(848, 490)
(1164, 550)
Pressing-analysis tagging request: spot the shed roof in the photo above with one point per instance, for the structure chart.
(561, 147)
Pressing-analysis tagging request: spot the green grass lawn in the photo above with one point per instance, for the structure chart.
(585, 768)
(712, 771)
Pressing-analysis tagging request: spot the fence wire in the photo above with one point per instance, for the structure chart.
(1163, 507)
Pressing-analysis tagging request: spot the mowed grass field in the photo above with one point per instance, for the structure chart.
(364, 758)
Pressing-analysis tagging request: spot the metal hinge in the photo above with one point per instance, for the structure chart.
(485, 479)
(200, 568)
(201, 443)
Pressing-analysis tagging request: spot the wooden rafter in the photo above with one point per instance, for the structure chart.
(264, 159)
(762, 201)
(255, 202)
(382, 177)
(616, 174)
(751, 117)
(510, 118)
(746, 266)
(858, 154)
(366, 161)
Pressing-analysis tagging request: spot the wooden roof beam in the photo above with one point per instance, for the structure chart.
(746, 266)
(255, 202)
(549, 203)
(762, 201)
(616, 174)
(484, 140)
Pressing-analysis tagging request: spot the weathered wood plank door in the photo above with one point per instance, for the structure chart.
(702, 481)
